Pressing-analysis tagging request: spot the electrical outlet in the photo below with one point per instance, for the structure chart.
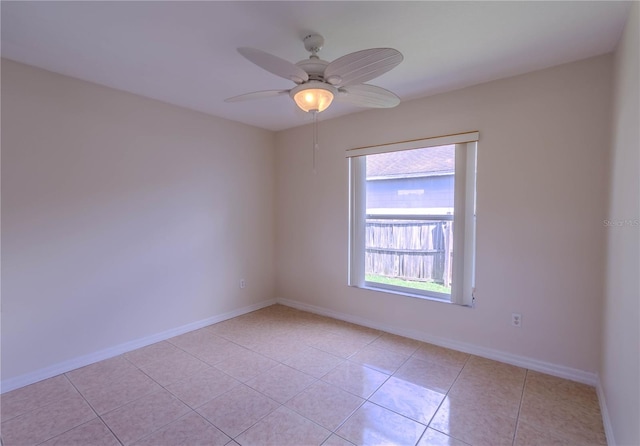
(516, 319)
(243, 283)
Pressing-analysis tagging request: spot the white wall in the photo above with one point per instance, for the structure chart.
(620, 368)
(542, 184)
(123, 217)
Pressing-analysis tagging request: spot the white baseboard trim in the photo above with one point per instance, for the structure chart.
(497, 355)
(81, 361)
(606, 420)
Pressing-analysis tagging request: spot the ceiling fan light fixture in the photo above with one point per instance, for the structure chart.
(313, 96)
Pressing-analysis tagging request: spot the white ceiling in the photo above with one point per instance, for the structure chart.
(184, 53)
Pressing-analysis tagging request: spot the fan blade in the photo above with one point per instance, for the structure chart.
(365, 95)
(361, 66)
(275, 65)
(257, 95)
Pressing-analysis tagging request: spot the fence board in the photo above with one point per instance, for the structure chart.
(410, 250)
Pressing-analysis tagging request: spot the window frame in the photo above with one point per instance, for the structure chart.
(463, 263)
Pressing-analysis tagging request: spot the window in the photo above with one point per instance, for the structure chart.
(412, 217)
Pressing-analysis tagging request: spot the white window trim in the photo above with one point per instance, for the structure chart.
(464, 211)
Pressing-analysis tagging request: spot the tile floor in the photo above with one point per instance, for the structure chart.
(279, 376)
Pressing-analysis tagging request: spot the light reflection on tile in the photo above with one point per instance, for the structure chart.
(375, 425)
(379, 359)
(410, 400)
(427, 374)
(441, 355)
(472, 423)
(398, 344)
(357, 379)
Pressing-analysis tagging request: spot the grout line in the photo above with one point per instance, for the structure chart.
(94, 411)
(524, 384)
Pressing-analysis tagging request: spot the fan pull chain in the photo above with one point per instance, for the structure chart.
(315, 139)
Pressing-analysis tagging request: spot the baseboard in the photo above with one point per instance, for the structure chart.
(72, 364)
(497, 355)
(606, 420)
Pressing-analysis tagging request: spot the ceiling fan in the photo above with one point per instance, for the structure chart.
(318, 82)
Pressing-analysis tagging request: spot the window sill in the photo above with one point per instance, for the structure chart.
(404, 293)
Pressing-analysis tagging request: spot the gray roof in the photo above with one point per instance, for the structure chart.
(418, 162)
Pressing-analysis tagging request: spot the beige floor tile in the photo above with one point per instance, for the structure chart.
(127, 387)
(353, 333)
(214, 355)
(208, 347)
(398, 344)
(195, 339)
(527, 435)
(338, 345)
(100, 373)
(281, 383)
(410, 400)
(93, 433)
(189, 430)
(471, 422)
(355, 378)
(245, 334)
(34, 396)
(246, 365)
(325, 404)
(385, 361)
(203, 386)
(230, 325)
(284, 427)
(487, 370)
(334, 440)
(280, 348)
(142, 417)
(237, 410)
(151, 353)
(375, 425)
(310, 335)
(175, 368)
(434, 438)
(428, 374)
(493, 395)
(46, 422)
(576, 422)
(442, 356)
(486, 379)
(314, 362)
(559, 389)
(322, 370)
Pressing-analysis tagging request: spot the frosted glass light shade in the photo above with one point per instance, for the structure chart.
(313, 96)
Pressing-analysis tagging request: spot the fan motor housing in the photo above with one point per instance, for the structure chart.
(314, 67)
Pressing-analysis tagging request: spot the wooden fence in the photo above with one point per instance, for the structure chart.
(410, 250)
